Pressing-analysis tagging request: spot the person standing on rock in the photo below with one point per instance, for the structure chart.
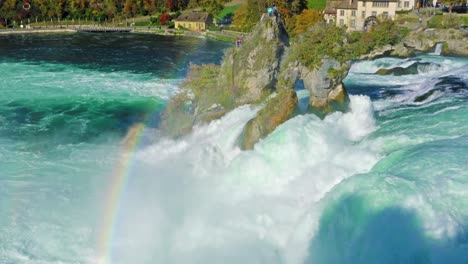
(270, 11)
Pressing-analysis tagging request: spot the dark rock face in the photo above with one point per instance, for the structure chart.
(277, 111)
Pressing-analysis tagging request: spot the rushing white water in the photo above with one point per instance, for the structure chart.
(309, 192)
(438, 49)
(219, 204)
(383, 183)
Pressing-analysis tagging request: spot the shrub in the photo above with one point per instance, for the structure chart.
(446, 21)
(202, 82)
(154, 20)
(402, 12)
(318, 42)
(330, 41)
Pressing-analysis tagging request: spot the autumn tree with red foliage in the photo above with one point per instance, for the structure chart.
(170, 4)
(164, 18)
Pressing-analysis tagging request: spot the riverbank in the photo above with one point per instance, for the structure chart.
(35, 31)
(230, 36)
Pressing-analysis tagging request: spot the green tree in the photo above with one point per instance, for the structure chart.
(8, 9)
(249, 14)
(149, 6)
(110, 8)
(298, 5)
(449, 3)
(212, 6)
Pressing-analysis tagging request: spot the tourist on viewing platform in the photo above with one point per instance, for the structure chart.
(270, 11)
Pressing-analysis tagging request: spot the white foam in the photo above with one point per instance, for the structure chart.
(211, 202)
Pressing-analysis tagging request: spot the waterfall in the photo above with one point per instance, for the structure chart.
(438, 49)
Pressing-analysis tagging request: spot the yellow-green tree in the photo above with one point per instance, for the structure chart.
(251, 11)
(212, 6)
(306, 19)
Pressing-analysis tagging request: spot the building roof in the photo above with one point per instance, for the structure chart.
(330, 8)
(193, 17)
(347, 4)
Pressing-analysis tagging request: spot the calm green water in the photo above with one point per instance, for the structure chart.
(384, 183)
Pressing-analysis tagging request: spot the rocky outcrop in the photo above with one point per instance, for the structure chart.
(249, 75)
(414, 68)
(455, 41)
(253, 69)
(399, 50)
(324, 83)
(178, 118)
(276, 111)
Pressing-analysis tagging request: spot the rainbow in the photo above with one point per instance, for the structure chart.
(118, 182)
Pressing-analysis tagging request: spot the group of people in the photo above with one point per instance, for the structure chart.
(272, 11)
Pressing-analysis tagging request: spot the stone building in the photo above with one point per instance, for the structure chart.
(361, 14)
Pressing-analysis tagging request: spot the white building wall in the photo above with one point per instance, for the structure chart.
(406, 5)
(355, 20)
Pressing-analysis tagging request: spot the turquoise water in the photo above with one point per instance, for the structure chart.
(384, 183)
(66, 103)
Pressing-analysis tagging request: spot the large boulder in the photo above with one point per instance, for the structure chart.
(324, 83)
(276, 111)
(327, 92)
(398, 50)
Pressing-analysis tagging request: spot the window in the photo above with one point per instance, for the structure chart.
(353, 23)
(399, 4)
(363, 3)
(363, 14)
(380, 4)
(406, 3)
(385, 14)
(341, 22)
(353, 13)
(374, 13)
(341, 12)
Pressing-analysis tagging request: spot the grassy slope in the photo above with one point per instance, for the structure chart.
(227, 10)
(316, 4)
